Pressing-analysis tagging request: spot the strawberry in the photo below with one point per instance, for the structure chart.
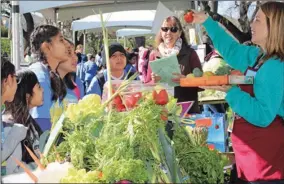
(188, 17)
(160, 98)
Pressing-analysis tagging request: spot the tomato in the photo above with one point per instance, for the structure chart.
(138, 95)
(160, 98)
(188, 17)
(117, 100)
(130, 101)
(120, 107)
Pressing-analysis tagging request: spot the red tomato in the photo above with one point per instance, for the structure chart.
(120, 107)
(130, 101)
(188, 17)
(138, 95)
(117, 100)
(161, 98)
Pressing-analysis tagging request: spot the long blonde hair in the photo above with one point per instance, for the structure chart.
(274, 12)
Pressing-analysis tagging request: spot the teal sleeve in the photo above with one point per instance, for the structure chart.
(235, 54)
(269, 92)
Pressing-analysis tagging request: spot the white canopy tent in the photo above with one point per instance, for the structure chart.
(32, 6)
(140, 18)
(67, 10)
(21, 7)
(133, 32)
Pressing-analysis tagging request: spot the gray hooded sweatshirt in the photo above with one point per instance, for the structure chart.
(11, 145)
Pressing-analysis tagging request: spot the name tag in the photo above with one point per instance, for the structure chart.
(251, 73)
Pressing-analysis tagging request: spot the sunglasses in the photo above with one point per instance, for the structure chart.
(172, 29)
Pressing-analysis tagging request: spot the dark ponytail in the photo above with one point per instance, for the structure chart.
(70, 77)
(7, 68)
(41, 34)
(57, 83)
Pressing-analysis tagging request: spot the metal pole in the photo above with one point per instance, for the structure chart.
(198, 29)
(84, 43)
(124, 41)
(21, 53)
(16, 34)
(55, 16)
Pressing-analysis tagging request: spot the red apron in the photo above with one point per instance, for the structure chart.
(259, 152)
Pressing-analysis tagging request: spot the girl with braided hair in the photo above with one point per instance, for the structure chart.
(50, 49)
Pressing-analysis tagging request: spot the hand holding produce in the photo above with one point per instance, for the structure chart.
(155, 78)
(199, 17)
(177, 77)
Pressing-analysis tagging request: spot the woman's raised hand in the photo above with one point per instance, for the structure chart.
(199, 17)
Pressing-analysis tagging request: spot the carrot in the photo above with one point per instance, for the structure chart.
(34, 157)
(204, 81)
(27, 170)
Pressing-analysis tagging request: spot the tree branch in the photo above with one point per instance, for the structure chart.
(244, 20)
(255, 11)
(239, 35)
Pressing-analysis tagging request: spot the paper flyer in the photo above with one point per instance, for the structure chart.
(165, 68)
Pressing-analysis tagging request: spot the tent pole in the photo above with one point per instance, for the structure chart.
(124, 42)
(197, 27)
(16, 34)
(73, 36)
(84, 43)
(21, 49)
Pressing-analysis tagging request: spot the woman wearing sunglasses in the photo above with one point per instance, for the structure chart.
(171, 40)
(258, 132)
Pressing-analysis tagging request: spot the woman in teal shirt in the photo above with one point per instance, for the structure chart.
(258, 132)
